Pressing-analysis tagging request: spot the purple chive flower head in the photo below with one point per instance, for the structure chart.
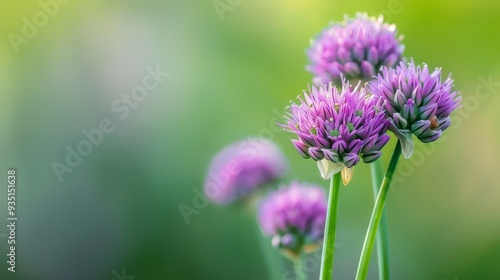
(242, 167)
(355, 48)
(338, 128)
(416, 102)
(295, 216)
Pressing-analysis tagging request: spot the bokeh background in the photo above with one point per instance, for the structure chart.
(118, 211)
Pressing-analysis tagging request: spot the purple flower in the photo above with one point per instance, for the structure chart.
(295, 217)
(338, 128)
(416, 102)
(242, 167)
(355, 48)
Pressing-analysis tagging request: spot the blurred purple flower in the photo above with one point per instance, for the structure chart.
(416, 102)
(242, 167)
(338, 128)
(356, 48)
(295, 217)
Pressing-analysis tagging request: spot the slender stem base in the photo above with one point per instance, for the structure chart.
(271, 256)
(299, 271)
(366, 252)
(330, 226)
(382, 240)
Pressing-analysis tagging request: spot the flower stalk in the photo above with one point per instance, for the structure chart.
(382, 240)
(271, 257)
(376, 216)
(299, 271)
(331, 223)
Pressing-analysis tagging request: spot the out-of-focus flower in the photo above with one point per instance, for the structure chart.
(242, 167)
(295, 217)
(338, 128)
(356, 48)
(416, 102)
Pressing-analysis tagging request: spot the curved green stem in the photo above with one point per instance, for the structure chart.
(331, 223)
(382, 240)
(378, 209)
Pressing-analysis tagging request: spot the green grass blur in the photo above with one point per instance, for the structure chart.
(119, 207)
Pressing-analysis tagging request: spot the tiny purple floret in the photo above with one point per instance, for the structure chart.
(416, 100)
(356, 49)
(242, 167)
(338, 125)
(294, 216)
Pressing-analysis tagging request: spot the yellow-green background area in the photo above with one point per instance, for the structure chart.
(120, 207)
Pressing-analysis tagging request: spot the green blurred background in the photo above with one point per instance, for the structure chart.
(119, 209)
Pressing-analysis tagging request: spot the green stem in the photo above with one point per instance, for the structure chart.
(384, 270)
(378, 209)
(299, 271)
(331, 223)
(271, 255)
